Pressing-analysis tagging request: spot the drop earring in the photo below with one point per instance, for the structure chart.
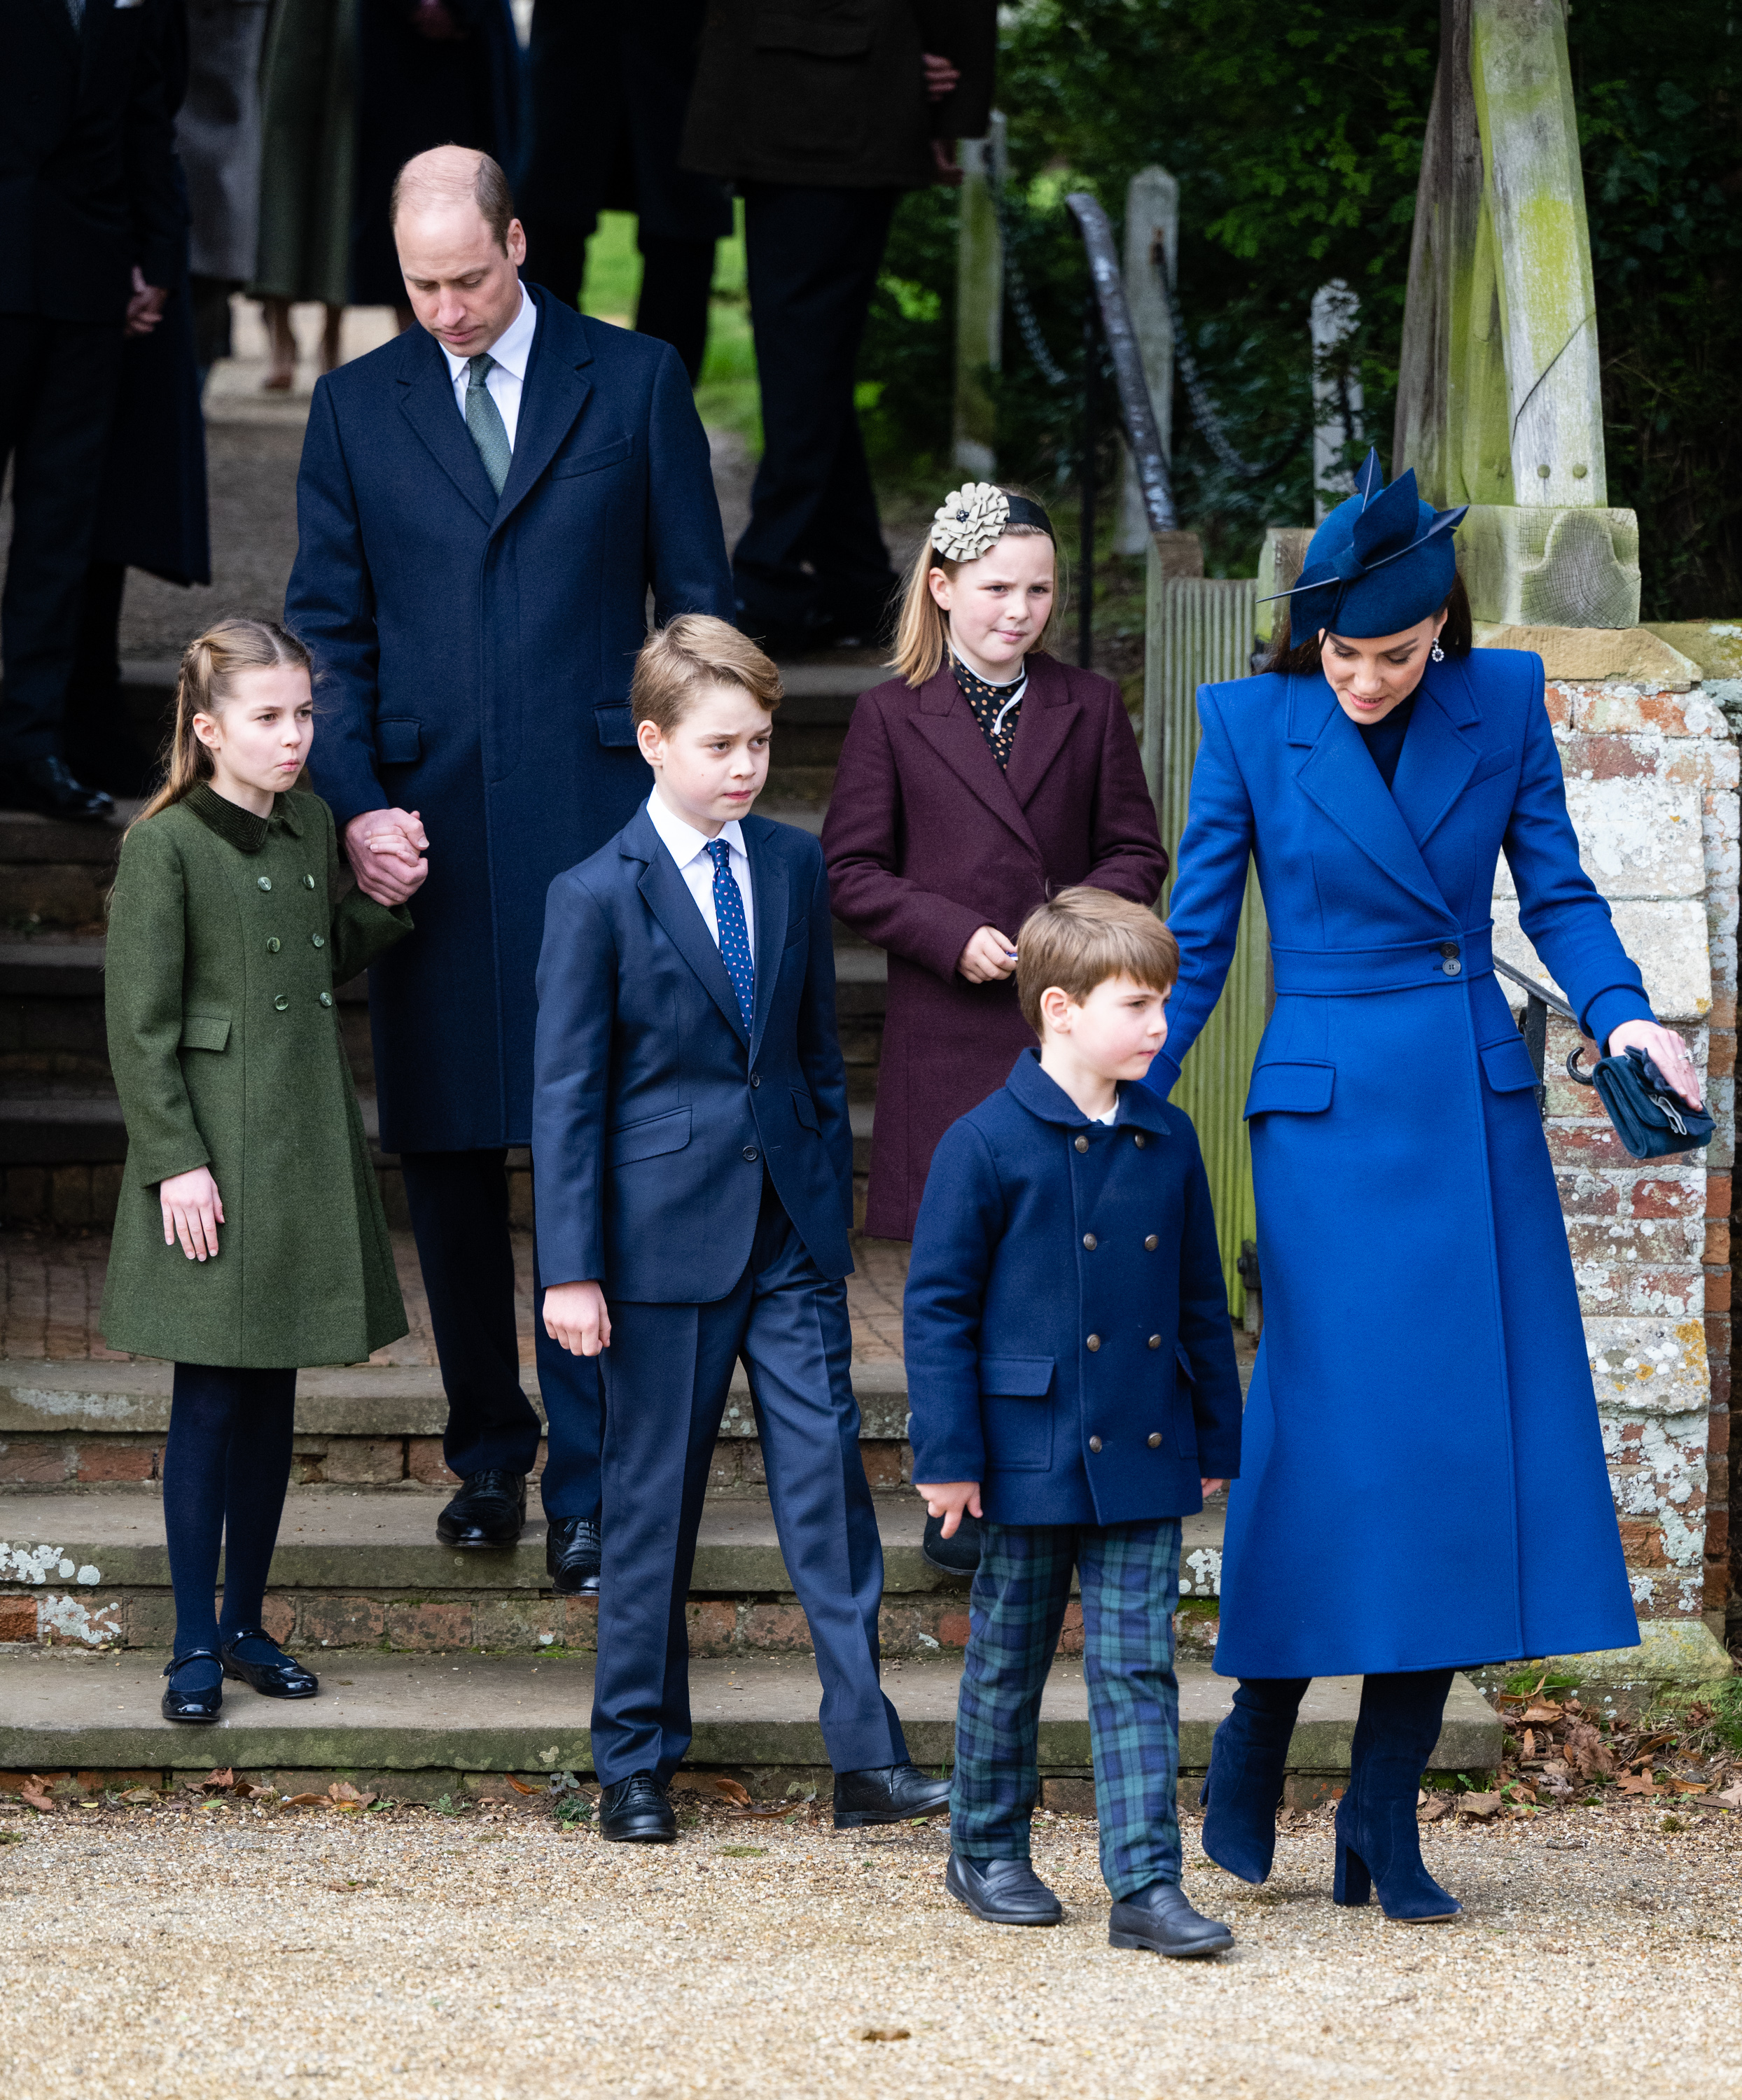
(1436, 652)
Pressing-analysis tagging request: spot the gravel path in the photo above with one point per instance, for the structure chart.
(211, 1953)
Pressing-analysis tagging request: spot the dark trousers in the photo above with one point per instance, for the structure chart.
(667, 1372)
(458, 1202)
(58, 382)
(813, 551)
(226, 1465)
(676, 277)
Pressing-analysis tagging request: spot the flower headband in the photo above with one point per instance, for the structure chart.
(976, 516)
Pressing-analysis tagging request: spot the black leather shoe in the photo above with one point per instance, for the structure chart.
(46, 786)
(1159, 1919)
(283, 1677)
(1002, 1891)
(637, 1811)
(572, 1551)
(957, 1554)
(490, 1509)
(204, 1705)
(887, 1793)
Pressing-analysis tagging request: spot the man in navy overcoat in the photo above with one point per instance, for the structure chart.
(483, 507)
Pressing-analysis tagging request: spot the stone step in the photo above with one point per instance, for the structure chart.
(391, 1714)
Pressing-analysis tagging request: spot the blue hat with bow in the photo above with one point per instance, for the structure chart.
(1380, 562)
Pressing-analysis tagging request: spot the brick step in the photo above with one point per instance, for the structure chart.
(392, 1715)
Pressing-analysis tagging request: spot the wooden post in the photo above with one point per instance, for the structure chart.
(1336, 397)
(1152, 238)
(979, 301)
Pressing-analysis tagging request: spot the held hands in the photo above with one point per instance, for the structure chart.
(385, 849)
(576, 1317)
(951, 1500)
(988, 958)
(145, 307)
(1666, 1051)
(1209, 1488)
(193, 1211)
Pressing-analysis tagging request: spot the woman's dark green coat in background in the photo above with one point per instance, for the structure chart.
(225, 943)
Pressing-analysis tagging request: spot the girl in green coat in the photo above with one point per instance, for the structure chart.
(249, 1238)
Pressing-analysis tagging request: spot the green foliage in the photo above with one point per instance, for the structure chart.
(906, 362)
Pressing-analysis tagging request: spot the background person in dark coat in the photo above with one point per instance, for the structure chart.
(822, 120)
(218, 137)
(92, 234)
(609, 90)
(477, 638)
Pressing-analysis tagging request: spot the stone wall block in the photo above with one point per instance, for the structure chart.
(712, 1625)
(423, 1628)
(365, 1461)
(1638, 837)
(330, 1621)
(1666, 937)
(1654, 1367)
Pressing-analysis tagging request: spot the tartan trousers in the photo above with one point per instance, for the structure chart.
(1129, 1574)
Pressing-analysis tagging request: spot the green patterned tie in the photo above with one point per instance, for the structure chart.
(483, 419)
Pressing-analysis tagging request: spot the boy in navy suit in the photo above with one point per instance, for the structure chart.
(1071, 1371)
(694, 1164)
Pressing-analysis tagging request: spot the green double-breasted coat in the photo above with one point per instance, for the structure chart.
(225, 943)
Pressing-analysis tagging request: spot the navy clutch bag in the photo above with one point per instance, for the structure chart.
(1649, 1119)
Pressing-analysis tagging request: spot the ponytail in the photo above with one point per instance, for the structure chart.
(209, 664)
(923, 629)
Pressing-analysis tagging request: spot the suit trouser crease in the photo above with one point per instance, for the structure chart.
(1130, 1578)
(667, 1374)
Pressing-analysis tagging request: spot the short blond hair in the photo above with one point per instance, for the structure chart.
(692, 651)
(1081, 937)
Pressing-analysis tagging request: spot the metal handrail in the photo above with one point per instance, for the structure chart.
(1136, 410)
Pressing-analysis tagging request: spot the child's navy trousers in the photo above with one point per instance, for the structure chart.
(1129, 1574)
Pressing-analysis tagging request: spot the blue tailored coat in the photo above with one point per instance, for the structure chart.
(1423, 1484)
(475, 658)
(656, 1113)
(1065, 1327)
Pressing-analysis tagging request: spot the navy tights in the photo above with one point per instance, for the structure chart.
(225, 1470)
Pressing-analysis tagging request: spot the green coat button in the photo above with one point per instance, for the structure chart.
(319, 939)
(308, 882)
(282, 1002)
(273, 946)
(326, 998)
(265, 881)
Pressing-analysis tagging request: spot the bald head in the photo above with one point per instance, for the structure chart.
(460, 246)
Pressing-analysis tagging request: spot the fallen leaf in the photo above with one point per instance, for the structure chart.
(1637, 1782)
(1530, 1743)
(1542, 1712)
(1478, 1804)
(730, 1788)
(1731, 1796)
(883, 2034)
(1435, 1806)
(520, 1786)
(138, 1797)
(308, 1801)
(218, 1782)
(344, 1794)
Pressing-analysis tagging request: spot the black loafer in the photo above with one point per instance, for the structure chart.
(887, 1793)
(1160, 1920)
(637, 1811)
(489, 1511)
(959, 1555)
(46, 785)
(1002, 1891)
(283, 1677)
(572, 1553)
(202, 1706)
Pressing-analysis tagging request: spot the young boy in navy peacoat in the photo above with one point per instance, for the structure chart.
(1071, 1366)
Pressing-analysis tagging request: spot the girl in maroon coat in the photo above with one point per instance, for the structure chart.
(982, 778)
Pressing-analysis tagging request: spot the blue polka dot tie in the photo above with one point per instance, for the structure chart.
(734, 936)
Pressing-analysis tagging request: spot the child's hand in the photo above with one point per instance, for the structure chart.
(1211, 1487)
(988, 958)
(575, 1317)
(383, 848)
(950, 1499)
(193, 1211)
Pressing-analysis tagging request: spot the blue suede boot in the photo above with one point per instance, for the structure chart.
(1378, 1840)
(1243, 1783)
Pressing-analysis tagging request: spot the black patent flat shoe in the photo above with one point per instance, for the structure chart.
(205, 1705)
(284, 1678)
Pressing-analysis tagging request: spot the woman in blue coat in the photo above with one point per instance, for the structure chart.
(1423, 1484)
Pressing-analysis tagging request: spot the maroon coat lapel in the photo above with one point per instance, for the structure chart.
(1049, 714)
(946, 721)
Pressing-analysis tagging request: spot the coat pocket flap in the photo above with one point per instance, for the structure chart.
(205, 1031)
(615, 725)
(399, 739)
(1507, 1064)
(590, 462)
(1291, 1089)
(1016, 1378)
(669, 1132)
(804, 1108)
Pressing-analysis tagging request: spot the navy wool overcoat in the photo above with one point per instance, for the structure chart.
(1065, 1326)
(1423, 1484)
(475, 658)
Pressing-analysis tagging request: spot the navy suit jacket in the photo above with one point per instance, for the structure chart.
(475, 656)
(654, 1111)
(1066, 1285)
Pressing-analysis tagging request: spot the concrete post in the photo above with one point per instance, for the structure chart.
(1336, 397)
(979, 301)
(1151, 233)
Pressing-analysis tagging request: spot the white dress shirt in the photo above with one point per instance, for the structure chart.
(689, 849)
(513, 352)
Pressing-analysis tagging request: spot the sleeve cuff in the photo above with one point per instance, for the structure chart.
(1610, 1008)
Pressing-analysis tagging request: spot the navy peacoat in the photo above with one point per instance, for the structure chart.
(1065, 1326)
(475, 659)
(1424, 1485)
(927, 840)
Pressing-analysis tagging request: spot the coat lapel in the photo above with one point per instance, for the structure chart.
(945, 719)
(669, 901)
(427, 396)
(768, 887)
(1049, 714)
(1339, 776)
(1437, 756)
(552, 394)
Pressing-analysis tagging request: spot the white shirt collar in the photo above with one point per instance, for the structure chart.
(512, 349)
(682, 841)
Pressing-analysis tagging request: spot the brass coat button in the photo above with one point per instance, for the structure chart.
(1137, 1139)
(264, 881)
(1090, 1241)
(1151, 1243)
(272, 946)
(1155, 1440)
(1155, 1341)
(319, 939)
(283, 1002)
(1082, 1144)
(1094, 1341)
(1095, 1443)
(326, 998)
(308, 882)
